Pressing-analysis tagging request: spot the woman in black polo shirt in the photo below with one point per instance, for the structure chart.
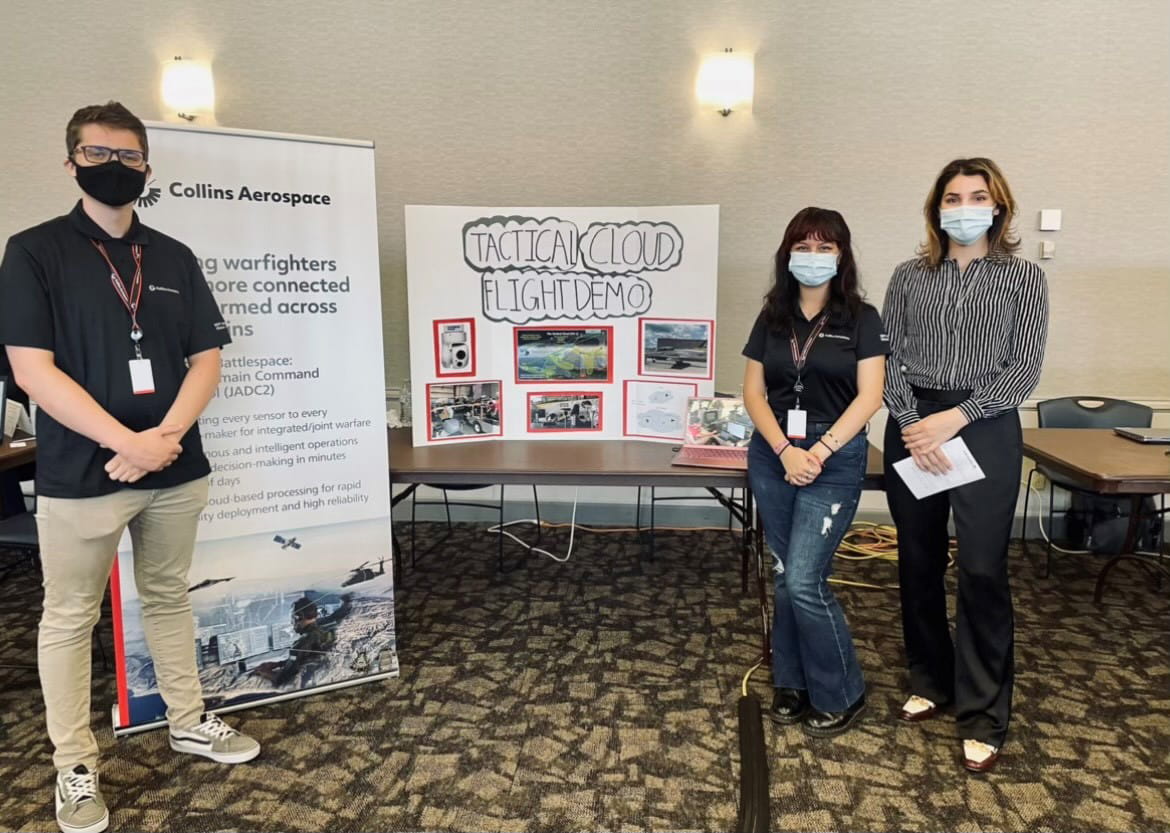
(967, 323)
(814, 377)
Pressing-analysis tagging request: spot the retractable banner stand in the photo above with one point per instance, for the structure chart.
(560, 323)
(291, 583)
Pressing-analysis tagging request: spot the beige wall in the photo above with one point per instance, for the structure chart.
(532, 102)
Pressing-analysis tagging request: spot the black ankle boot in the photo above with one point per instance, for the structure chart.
(826, 724)
(789, 705)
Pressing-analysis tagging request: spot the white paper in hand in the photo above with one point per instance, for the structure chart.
(964, 469)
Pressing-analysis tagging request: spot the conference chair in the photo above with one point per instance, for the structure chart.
(737, 510)
(18, 537)
(447, 503)
(1078, 412)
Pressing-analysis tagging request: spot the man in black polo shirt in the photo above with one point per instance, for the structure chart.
(121, 376)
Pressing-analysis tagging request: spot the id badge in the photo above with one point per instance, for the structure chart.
(796, 427)
(141, 376)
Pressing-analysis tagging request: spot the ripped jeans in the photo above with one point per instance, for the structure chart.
(812, 649)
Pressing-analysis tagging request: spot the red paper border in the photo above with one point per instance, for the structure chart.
(626, 408)
(439, 372)
(710, 349)
(600, 412)
(466, 437)
(608, 364)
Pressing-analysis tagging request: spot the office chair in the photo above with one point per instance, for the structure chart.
(18, 535)
(447, 503)
(1073, 412)
(738, 509)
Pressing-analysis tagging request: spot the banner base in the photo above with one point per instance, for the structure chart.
(121, 731)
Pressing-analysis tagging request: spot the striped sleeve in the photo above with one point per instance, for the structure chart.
(1019, 378)
(899, 398)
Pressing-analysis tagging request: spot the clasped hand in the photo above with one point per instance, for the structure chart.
(146, 451)
(924, 438)
(800, 467)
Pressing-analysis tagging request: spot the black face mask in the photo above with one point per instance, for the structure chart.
(111, 182)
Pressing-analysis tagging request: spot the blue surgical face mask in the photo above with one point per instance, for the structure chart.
(812, 268)
(967, 223)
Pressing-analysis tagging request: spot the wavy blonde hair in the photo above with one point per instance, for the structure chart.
(1001, 237)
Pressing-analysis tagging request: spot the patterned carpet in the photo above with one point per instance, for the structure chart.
(600, 695)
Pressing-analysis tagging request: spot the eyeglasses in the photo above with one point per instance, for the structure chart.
(99, 155)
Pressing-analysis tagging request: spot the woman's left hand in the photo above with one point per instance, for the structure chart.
(928, 434)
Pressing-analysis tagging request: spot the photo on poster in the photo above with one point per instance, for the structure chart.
(274, 614)
(719, 420)
(454, 346)
(656, 410)
(676, 347)
(563, 354)
(562, 411)
(464, 409)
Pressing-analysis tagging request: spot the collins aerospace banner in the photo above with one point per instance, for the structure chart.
(291, 584)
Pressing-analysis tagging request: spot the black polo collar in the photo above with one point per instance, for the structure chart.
(85, 225)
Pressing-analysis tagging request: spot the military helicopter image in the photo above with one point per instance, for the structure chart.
(207, 582)
(285, 543)
(361, 573)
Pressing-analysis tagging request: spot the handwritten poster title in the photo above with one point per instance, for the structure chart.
(535, 270)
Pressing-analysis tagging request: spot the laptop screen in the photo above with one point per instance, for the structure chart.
(718, 421)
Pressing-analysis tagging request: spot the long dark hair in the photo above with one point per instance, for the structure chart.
(844, 292)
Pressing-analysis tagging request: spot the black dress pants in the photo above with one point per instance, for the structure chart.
(975, 671)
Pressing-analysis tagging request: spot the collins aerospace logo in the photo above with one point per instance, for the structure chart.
(205, 191)
(150, 195)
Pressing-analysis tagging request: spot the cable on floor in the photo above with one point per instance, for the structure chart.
(499, 529)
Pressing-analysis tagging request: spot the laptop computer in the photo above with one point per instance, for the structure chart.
(717, 434)
(1144, 435)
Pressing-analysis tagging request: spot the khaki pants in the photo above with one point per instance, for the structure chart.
(78, 543)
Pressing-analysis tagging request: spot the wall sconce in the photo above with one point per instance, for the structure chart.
(188, 90)
(726, 82)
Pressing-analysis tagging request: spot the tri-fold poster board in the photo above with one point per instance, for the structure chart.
(555, 323)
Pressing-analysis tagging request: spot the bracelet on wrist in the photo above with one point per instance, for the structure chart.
(778, 448)
(835, 440)
(825, 444)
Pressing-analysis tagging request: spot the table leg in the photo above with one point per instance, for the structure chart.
(762, 588)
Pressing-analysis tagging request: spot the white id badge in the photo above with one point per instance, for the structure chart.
(796, 427)
(141, 376)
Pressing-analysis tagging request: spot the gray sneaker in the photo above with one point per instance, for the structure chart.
(216, 740)
(80, 806)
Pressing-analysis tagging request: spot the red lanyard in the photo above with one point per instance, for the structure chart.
(800, 354)
(130, 299)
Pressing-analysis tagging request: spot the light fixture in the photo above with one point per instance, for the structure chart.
(726, 82)
(188, 90)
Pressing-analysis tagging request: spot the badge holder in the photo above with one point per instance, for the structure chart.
(796, 426)
(141, 375)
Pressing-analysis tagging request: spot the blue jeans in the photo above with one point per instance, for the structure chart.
(812, 649)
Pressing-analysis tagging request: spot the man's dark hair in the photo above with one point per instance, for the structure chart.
(111, 114)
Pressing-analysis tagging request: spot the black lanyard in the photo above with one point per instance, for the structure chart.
(132, 298)
(800, 353)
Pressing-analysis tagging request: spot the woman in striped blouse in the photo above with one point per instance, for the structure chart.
(967, 322)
